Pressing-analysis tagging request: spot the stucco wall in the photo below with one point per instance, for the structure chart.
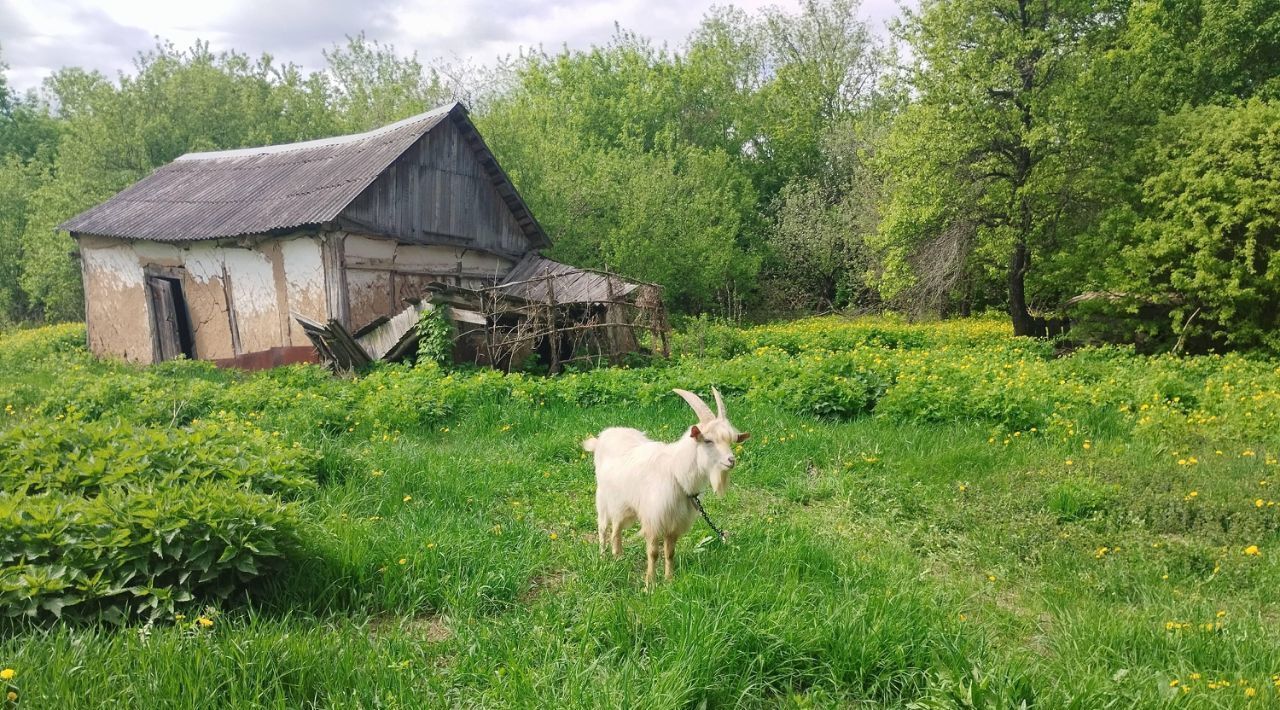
(116, 310)
(239, 294)
(381, 273)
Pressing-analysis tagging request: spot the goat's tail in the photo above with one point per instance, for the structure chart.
(589, 444)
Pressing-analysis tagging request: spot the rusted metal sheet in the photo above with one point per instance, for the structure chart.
(275, 357)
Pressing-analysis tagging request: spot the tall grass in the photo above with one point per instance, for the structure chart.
(941, 555)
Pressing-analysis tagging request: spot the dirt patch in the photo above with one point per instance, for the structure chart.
(542, 583)
(432, 628)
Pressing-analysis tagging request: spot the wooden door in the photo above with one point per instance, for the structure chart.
(164, 317)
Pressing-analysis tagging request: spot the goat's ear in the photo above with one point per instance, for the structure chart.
(695, 433)
(743, 437)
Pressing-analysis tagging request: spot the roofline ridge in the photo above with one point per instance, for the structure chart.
(436, 112)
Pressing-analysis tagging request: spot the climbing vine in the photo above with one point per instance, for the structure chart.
(435, 336)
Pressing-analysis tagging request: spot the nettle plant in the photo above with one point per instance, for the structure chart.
(116, 521)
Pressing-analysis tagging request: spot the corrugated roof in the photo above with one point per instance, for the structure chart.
(528, 280)
(255, 190)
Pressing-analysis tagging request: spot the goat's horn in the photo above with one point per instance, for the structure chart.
(719, 403)
(699, 407)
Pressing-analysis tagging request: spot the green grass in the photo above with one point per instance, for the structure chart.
(872, 562)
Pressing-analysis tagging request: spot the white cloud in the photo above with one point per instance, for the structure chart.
(38, 37)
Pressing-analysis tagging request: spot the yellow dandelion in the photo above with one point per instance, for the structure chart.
(205, 622)
(403, 561)
(1222, 613)
(7, 674)
(1195, 676)
(11, 696)
(408, 498)
(1173, 683)
(553, 536)
(1252, 550)
(1250, 692)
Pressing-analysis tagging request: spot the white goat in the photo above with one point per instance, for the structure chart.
(652, 482)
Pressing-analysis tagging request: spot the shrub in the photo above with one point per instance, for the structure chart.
(136, 550)
(83, 458)
(112, 520)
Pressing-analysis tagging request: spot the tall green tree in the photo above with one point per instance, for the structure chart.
(29, 137)
(990, 151)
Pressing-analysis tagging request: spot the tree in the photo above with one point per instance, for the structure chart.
(370, 85)
(990, 149)
(1208, 241)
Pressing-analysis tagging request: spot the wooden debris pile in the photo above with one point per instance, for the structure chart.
(544, 313)
(389, 338)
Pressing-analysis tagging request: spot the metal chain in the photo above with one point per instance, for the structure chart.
(697, 503)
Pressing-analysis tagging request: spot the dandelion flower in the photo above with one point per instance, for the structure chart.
(7, 674)
(1222, 613)
(408, 498)
(205, 622)
(1252, 550)
(403, 561)
(11, 696)
(1250, 692)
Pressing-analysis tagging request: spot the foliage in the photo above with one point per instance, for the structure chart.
(435, 336)
(1211, 225)
(955, 497)
(774, 162)
(986, 167)
(105, 520)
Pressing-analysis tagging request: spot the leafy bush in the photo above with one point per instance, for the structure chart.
(143, 550)
(1205, 238)
(115, 519)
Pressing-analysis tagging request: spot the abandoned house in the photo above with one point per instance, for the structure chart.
(262, 256)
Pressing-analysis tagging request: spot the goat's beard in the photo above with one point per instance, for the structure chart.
(719, 480)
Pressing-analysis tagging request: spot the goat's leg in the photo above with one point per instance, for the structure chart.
(617, 540)
(651, 547)
(669, 551)
(602, 529)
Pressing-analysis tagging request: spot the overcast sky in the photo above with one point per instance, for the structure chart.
(39, 36)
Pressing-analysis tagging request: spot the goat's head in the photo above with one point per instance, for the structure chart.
(716, 437)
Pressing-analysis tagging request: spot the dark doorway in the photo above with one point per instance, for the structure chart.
(170, 319)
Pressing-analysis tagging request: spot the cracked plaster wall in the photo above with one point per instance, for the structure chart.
(237, 293)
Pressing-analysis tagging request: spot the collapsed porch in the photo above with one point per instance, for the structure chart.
(557, 313)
